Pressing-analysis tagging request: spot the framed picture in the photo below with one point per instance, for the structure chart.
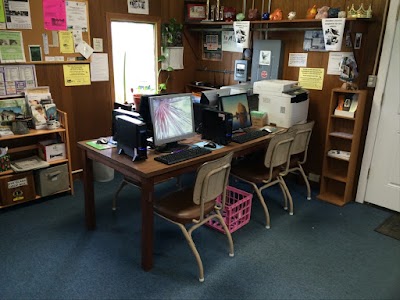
(212, 46)
(195, 12)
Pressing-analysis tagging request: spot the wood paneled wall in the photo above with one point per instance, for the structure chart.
(89, 107)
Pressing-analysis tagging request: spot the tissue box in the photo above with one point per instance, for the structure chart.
(51, 150)
(5, 163)
(259, 119)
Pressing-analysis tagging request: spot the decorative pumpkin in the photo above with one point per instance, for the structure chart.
(276, 15)
(311, 12)
(322, 12)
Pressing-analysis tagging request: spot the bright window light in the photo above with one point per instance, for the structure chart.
(134, 62)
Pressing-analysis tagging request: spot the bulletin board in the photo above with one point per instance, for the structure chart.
(35, 36)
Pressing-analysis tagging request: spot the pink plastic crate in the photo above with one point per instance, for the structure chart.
(236, 212)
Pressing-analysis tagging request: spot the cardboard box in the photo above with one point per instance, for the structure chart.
(17, 188)
(52, 180)
(51, 150)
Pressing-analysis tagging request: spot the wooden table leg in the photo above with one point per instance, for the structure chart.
(147, 224)
(90, 213)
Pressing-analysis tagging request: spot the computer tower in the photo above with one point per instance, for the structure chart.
(217, 126)
(132, 137)
(119, 112)
(198, 115)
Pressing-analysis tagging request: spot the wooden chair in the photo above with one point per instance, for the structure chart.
(298, 154)
(264, 171)
(194, 206)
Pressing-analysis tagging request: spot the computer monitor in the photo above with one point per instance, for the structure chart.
(238, 106)
(173, 120)
(211, 97)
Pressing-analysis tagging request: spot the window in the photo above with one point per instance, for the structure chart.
(134, 41)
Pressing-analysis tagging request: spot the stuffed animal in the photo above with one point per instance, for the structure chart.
(276, 15)
(311, 12)
(291, 15)
(322, 12)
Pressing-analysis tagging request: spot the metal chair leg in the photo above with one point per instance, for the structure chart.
(281, 181)
(228, 234)
(306, 182)
(194, 250)
(114, 201)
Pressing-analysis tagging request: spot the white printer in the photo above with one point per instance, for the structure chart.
(284, 101)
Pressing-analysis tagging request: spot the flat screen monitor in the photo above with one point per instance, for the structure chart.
(211, 97)
(144, 111)
(238, 106)
(173, 120)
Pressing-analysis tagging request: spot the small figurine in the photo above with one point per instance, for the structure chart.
(342, 14)
(322, 12)
(265, 16)
(291, 15)
(311, 12)
(276, 15)
(333, 12)
(253, 14)
(240, 17)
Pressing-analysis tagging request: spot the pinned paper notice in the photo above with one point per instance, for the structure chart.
(84, 49)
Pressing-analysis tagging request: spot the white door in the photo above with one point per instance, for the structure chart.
(383, 183)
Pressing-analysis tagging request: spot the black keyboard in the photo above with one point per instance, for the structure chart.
(182, 155)
(248, 136)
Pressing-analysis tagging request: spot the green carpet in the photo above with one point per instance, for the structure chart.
(390, 227)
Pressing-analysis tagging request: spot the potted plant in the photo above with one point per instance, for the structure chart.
(171, 36)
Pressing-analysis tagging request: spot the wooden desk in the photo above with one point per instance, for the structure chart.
(146, 174)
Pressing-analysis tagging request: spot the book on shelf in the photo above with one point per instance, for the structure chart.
(38, 95)
(39, 116)
(347, 106)
(51, 112)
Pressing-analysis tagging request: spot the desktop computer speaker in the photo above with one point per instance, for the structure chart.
(132, 137)
(217, 126)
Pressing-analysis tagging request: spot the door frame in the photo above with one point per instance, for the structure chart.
(384, 63)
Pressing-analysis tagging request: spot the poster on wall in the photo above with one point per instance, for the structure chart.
(18, 14)
(76, 15)
(14, 79)
(314, 40)
(333, 29)
(242, 31)
(212, 46)
(229, 43)
(54, 15)
(11, 47)
(138, 7)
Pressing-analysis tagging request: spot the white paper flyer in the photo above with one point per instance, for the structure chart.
(242, 30)
(333, 29)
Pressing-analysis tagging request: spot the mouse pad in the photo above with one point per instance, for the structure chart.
(202, 143)
(100, 146)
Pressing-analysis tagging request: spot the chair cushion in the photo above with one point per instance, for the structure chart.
(254, 171)
(179, 207)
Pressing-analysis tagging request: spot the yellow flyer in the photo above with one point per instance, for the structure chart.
(66, 42)
(76, 74)
(311, 78)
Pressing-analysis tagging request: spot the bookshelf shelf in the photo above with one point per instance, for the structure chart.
(338, 180)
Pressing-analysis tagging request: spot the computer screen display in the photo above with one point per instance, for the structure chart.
(238, 106)
(172, 117)
(211, 97)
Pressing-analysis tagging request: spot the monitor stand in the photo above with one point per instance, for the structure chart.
(171, 147)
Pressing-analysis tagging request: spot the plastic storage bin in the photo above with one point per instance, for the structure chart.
(102, 173)
(236, 212)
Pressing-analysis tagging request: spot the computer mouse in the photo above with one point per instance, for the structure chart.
(102, 141)
(210, 145)
(267, 130)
